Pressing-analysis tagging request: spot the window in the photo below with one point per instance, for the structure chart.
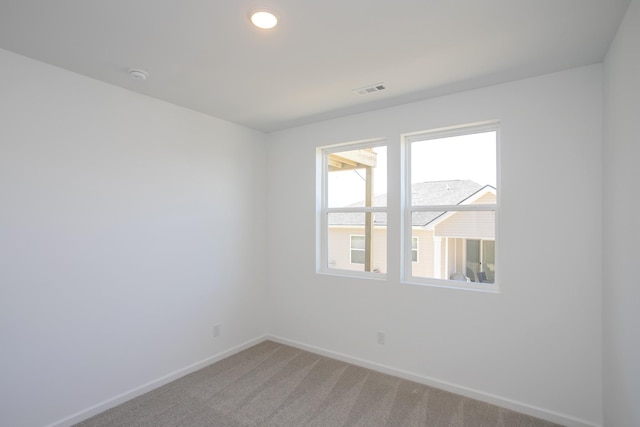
(447, 208)
(353, 209)
(357, 249)
(450, 205)
(480, 260)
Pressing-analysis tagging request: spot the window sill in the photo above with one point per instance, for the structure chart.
(491, 288)
(354, 274)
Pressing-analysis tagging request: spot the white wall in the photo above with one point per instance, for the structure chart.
(537, 346)
(128, 228)
(621, 226)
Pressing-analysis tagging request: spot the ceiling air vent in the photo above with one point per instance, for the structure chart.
(370, 89)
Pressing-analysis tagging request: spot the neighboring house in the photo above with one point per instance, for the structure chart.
(445, 244)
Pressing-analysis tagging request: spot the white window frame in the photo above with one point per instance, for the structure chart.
(408, 209)
(323, 211)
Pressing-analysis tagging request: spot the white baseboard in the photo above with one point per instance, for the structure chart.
(443, 385)
(151, 385)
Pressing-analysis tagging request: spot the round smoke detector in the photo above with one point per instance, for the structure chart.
(137, 74)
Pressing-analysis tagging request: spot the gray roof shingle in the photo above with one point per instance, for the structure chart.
(430, 193)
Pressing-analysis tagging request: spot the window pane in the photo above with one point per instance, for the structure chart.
(349, 173)
(347, 242)
(455, 245)
(357, 242)
(453, 170)
(357, 256)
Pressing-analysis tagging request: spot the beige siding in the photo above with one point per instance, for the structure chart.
(340, 248)
(444, 244)
(469, 225)
(424, 266)
(486, 199)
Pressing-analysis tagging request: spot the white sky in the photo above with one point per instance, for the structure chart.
(461, 157)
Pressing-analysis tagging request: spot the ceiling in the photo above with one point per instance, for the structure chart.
(205, 55)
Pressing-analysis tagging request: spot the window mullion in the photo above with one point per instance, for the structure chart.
(356, 209)
(445, 208)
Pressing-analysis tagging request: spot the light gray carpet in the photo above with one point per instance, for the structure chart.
(272, 384)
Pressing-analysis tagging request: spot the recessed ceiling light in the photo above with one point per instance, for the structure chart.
(263, 19)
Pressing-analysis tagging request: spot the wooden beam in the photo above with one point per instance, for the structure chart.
(368, 222)
(334, 164)
(354, 159)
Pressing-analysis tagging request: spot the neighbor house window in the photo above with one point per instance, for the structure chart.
(414, 249)
(357, 249)
(353, 209)
(450, 204)
(480, 260)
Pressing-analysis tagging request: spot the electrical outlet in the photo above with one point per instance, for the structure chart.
(381, 337)
(216, 331)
